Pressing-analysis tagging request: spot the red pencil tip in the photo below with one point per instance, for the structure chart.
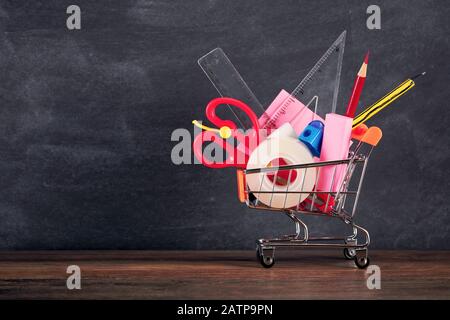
(366, 58)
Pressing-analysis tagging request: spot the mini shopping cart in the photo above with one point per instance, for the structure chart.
(339, 204)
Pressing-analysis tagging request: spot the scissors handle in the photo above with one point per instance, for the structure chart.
(211, 113)
(236, 157)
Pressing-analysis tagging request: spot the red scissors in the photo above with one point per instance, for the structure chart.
(236, 157)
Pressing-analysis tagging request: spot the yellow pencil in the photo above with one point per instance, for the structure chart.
(382, 103)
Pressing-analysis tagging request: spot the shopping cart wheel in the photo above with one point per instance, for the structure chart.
(349, 254)
(362, 262)
(258, 253)
(267, 261)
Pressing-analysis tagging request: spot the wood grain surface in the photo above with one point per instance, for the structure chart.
(222, 275)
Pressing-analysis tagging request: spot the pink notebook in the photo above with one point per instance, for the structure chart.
(286, 108)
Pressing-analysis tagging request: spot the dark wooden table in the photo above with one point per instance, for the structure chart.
(222, 275)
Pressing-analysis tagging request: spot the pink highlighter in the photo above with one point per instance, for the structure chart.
(335, 146)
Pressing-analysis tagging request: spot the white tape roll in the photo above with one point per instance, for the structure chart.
(285, 131)
(281, 145)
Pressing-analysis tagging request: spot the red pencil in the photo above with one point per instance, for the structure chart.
(357, 88)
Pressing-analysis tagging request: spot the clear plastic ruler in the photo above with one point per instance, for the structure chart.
(229, 83)
(321, 81)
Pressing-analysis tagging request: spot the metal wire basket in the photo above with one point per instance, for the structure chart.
(340, 202)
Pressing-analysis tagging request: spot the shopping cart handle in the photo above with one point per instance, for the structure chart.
(359, 131)
(372, 136)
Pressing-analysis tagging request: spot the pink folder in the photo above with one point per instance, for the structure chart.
(296, 113)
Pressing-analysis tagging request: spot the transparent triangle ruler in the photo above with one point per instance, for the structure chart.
(229, 83)
(322, 82)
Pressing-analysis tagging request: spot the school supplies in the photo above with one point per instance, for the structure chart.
(240, 180)
(286, 130)
(236, 157)
(297, 114)
(312, 137)
(335, 146)
(280, 173)
(229, 83)
(357, 88)
(382, 103)
(282, 144)
(320, 83)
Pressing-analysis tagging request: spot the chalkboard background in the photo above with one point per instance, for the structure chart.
(86, 118)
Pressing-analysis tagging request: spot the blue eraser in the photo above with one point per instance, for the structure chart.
(312, 136)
